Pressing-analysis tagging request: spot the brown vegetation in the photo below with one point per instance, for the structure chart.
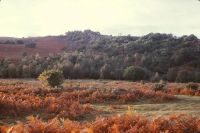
(44, 47)
(129, 123)
(18, 99)
(54, 107)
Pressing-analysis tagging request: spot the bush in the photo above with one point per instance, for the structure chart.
(159, 86)
(51, 78)
(20, 41)
(156, 77)
(193, 86)
(31, 45)
(135, 73)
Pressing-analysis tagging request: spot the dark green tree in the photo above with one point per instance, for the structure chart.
(135, 73)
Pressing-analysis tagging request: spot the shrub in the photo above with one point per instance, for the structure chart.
(159, 86)
(156, 77)
(51, 78)
(31, 45)
(193, 86)
(134, 73)
(20, 41)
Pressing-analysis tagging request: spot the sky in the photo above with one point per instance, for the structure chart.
(23, 18)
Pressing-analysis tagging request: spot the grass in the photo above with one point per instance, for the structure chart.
(184, 105)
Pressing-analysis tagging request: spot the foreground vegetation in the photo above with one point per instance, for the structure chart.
(118, 106)
(71, 102)
(129, 123)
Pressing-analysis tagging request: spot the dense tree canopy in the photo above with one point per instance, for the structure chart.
(93, 55)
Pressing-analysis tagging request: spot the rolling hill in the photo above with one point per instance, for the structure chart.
(90, 54)
(45, 46)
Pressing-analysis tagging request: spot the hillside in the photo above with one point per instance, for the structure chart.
(90, 54)
(45, 46)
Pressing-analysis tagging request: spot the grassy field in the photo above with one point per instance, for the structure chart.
(183, 105)
(86, 100)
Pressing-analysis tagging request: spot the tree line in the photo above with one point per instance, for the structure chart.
(151, 57)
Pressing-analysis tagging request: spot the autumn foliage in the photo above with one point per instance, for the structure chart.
(58, 108)
(70, 102)
(115, 124)
(51, 78)
(19, 100)
(184, 89)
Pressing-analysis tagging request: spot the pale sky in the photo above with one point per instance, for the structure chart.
(22, 18)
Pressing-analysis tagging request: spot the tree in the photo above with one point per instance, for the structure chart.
(31, 45)
(67, 69)
(20, 41)
(171, 74)
(156, 77)
(26, 71)
(11, 70)
(135, 73)
(184, 76)
(51, 78)
(105, 72)
(197, 77)
(77, 71)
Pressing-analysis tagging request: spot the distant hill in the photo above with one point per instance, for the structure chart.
(90, 54)
(71, 41)
(44, 46)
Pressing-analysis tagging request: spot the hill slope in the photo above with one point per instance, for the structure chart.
(89, 54)
(45, 46)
